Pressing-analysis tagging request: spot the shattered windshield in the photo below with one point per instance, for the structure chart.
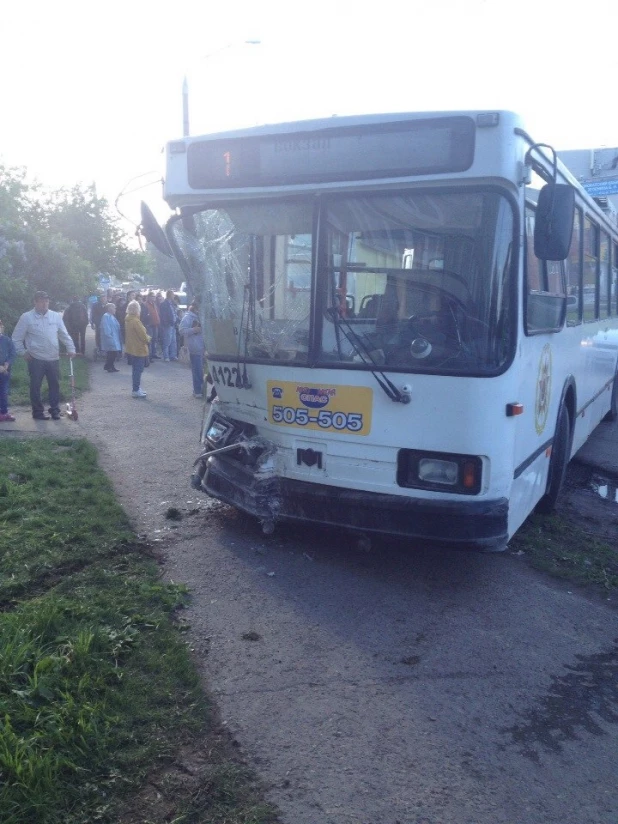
(414, 281)
(250, 269)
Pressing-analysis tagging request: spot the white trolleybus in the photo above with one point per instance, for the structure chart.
(411, 320)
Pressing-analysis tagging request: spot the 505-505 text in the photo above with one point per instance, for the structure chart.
(352, 421)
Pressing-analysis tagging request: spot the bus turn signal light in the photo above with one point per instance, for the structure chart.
(469, 475)
(514, 409)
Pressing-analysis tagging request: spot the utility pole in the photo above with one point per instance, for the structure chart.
(185, 107)
(185, 84)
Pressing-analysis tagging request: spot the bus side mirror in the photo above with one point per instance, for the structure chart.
(554, 221)
(150, 229)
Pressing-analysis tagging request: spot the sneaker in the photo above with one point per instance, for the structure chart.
(166, 360)
(6, 417)
(139, 394)
(198, 395)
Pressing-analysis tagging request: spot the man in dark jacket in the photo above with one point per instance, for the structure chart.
(121, 312)
(167, 316)
(152, 327)
(96, 313)
(76, 320)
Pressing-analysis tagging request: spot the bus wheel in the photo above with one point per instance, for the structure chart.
(613, 409)
(560, 454)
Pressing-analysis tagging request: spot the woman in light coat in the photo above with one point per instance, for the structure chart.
(136, 341)
(110, 337)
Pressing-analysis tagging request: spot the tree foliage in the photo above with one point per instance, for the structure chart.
(60, 241)
(85, 219)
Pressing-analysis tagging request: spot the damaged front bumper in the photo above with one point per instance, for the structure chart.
(481, 524)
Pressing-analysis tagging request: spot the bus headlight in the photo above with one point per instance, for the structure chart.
(439, 471)
(218, 432)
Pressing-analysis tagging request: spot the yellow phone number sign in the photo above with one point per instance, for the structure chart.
(326, 408)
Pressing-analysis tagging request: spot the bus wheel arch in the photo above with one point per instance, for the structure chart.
(561, 451)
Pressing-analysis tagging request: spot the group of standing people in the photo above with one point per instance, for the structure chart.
(136, 342)
(146, 322)
(39, 332)
(160, 316)
(139, 340)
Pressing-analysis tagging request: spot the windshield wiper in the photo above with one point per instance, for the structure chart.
(361, 349)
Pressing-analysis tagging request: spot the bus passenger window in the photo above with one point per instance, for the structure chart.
(591, 261)
(545, 293)
(604, 277)
(614, 285)
(534, 273)
(554, 277)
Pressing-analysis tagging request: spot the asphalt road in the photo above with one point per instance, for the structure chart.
(420, 687)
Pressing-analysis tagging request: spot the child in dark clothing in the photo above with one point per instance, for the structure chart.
(7, 356)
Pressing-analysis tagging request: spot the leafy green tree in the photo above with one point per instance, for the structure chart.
(13, 194)
(59, 241)
(31, 256)
(83, 217)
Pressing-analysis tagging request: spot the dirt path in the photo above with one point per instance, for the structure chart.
(426, 687)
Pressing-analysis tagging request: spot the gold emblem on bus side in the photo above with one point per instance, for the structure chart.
(543, 390)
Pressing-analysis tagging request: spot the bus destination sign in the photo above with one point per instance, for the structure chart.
(394, 149)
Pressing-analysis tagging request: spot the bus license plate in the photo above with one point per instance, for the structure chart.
(324, 407)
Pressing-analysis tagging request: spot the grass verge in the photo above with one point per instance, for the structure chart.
(20, 382)
(556, 545)
(99, 698)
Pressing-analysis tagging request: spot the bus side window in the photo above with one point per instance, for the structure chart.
(545, 287)
(614, 284)
(573, 274)
(534, 270)
(604, 277)
(591, 265)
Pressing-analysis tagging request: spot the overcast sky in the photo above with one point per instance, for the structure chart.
(91, 92)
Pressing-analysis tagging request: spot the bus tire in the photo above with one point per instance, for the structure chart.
(560, 454)
(612, 415)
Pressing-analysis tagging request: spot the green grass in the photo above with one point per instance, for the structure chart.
(559, 547)
(98, 691)
(57, 512)
(20, 383)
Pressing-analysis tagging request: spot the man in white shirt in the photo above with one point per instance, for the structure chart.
(36, 336)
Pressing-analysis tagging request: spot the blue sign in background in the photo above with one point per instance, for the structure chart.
(601, 187)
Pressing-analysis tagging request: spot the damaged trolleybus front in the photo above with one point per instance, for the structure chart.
(384, 325)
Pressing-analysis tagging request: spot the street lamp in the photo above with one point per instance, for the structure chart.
(185, 84)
